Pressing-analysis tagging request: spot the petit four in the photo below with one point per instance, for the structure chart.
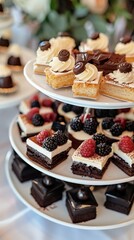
(5, 38)
(7, 85)
(47, 190)
(65, 41)
(14, 60)
(81, 204)
(120, 197)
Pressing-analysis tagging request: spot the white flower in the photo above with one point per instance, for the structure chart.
(36, 8)
(96, 6)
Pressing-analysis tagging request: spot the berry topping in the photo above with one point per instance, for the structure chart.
(125, 67)
(116, 129)
(59, 126)
(126, 144)
(44, 45)
(37, 120)
(49, 117)
(77, 110)
(107, 123)
(76, 124)
(42, 135)
(103, 149)
(90, 126)
(112, 112)
(83, 117)
(67, 108)
(101, 113)
(79, 68)
(46, 102)
(31, 113)
(99, 138)
(88, 148)
(95, 36)
(124, 110)
(130, 126)
(49, 144)
(122, 121)
(63, 55)
(35, 103)
(60, 137)
(35, 97)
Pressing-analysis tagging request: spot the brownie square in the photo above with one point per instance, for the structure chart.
(81, 204)
(120, 197)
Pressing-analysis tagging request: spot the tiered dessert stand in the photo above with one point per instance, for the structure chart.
(106, 219)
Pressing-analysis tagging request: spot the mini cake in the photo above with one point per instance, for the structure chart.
(126, 46)
(98, 41)
(5, 38)
(120, 83)
(6, 82)
(22, 170)
(32, 123)
(82, 128)
(65, 41)
(69, 111)
(48, 149)
(87, 80)
(1, 7)
(92, 158)
(123, 155)
(47, 190)
(81, 204)
(60, 74)
(45, 53)
(120, 197)
(14, 61)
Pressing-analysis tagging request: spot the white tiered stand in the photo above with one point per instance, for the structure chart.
(106, 219)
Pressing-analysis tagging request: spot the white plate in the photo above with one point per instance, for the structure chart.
(65, 94)
(63, 171)
(24, 88)
(57, 212)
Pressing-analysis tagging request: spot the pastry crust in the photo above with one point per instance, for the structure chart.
(40, 69)
(130, 59)
(8, 90)
(16, 68)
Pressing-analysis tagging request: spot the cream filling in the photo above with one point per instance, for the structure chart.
(69, 115)
(127, 157)
(119, 77)
(94, 161)
(25, 108)
(95, 81)
(61, 66)
(127, 48)
(47, 153)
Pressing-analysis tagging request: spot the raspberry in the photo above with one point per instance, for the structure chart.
(122, 121)
(88, 148)
(126, 144)
(34, 98)
(46, 102)
(83, 117)
(49, 117)
(42, 135)
(31, 113)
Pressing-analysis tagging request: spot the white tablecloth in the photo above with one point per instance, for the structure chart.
(19, 222)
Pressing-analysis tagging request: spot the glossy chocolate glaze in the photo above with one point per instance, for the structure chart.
(15, 61)
(6, 82)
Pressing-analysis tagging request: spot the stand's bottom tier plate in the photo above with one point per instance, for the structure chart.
(57, 212)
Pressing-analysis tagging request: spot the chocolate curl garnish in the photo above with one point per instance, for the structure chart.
(95, 36)
(79, 68)
(44, 45)
(63, 34)
(125, 67)
(63, 55)
(125, 39)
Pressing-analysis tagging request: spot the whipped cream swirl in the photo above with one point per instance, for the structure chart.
(66, 43)
(89, 74)
(62, 66)
(99, 43)
(121, 77)
(127, 48)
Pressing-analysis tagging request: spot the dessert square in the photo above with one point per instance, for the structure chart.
(81, 204)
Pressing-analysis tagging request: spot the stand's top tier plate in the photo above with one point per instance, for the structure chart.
(66, 95)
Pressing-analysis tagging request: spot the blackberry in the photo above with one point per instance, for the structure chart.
(60, 118)
(77, 110)
(103, 149)
(60, 137)
(99, 138)
(58, 126)
(76, 124)
(130, 126)
(90, 126)
(35, 103)
(107, 123)
(101, 113)
(49, 144)
(37, 120)
(67, 108)
(112, 113)
(116, 129)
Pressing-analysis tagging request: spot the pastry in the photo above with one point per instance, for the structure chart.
(7, 85)
(87, 80)
(120, 197)
(5, 39)
(92, 157)
(14, 61)
(120, 83)
(48, 149)
(65, 41)
(126, 46)
(60, 74)
(69, 111)
(123, 155)
(98, 41)
(81, 204)
(47, 190)
(45, 53)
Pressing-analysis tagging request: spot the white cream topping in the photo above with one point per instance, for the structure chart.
(90, 74)
(69, 115)
(25, 108)
(94, 161)
(4, 71)
(121, 78)
(66, 43)
(29, 128)
(61, 66)
(127, 48)
(127, 157)
(47, 153)
(14, 50)
(125, 133)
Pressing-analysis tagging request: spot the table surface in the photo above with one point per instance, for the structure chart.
(19, 222)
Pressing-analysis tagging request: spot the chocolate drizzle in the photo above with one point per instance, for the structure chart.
(44, 45)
